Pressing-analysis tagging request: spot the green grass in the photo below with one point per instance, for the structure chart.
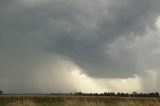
(76, 101)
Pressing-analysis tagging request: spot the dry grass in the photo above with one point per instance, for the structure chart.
(78, 101)
(138, 103)
(126, 102)
(22, 103)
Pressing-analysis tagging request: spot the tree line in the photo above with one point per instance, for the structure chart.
(113, 94)
(119, 94)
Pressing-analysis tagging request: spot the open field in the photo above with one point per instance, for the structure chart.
(76, 101)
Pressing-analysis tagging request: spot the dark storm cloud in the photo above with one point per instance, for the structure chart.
(94, 34)
(83, 33)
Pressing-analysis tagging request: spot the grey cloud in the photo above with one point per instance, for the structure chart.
(123, 18)
(89, 32)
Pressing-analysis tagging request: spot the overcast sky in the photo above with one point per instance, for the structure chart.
(79, 45)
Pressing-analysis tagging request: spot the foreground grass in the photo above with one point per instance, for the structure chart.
(77, 101)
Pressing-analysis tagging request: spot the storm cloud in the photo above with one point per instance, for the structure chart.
(113, 39)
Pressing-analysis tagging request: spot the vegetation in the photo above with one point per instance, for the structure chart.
(77, 101)
(1, 92)
(134, 94)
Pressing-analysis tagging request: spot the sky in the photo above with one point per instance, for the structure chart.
(68, 46)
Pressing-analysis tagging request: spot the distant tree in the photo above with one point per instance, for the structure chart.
(134, 94)
(1, 92)
(78, 93)
(156, 94)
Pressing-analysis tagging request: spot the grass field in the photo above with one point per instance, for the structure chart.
(76, 101)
